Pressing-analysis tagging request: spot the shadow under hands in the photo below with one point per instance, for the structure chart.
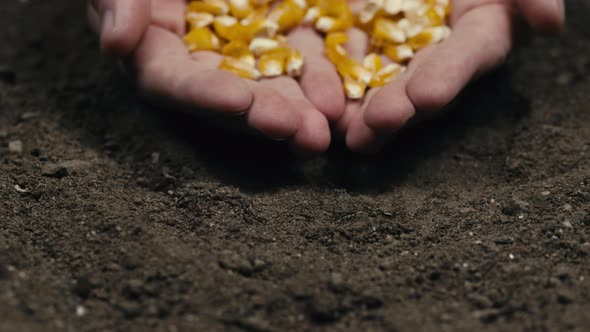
(491, 103)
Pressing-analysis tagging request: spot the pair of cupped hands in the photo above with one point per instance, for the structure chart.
(147, 34)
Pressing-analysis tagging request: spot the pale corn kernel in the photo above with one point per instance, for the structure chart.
(398, 53)
(301, 3)
(311, 16)
(271, 64)
(214, 7)
(261, 45)
(240, 9)
(325, 24)
(201, 39)
(388, 30)
(410, 29)
(353, 88)
(199, 20)
(393, 7)
(372, 62)
(370, 10)
(240, 68)
(294, 63)
(429, 36)
(386, 75)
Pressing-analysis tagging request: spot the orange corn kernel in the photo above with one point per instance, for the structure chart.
(240, 68)
(353, 88)
(199, 20)
(429, 36)
(386, 74)
(201, 39)
(214, 7)
(398, 53)
(372, 62)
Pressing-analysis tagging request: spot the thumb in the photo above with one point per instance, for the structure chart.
(119, 23)
(544, 15)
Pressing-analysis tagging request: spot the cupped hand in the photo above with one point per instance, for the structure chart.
(481, 40)
(148, 34)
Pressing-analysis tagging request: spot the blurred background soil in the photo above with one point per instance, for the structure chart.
(115, 216)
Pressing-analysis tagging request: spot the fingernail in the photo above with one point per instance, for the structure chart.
(108, 21)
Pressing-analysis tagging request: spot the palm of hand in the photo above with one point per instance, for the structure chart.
(300, 111)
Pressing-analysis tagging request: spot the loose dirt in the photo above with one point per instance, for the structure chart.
(118, 217)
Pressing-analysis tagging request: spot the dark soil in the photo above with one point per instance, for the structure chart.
(115, 216)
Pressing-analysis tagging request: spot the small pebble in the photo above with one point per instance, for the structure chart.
(511, 256)
(80, 311)
(567, 207)
(545, 193)
(568, 224)
(15, 147)
(155, 157)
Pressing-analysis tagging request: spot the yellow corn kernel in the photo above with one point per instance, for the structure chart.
(214, 7)
(199, 20)
(294, 63)
(239, 50)
(353, 88)
(240, 9)
(287, 14)
(336, 38)
(240, 68)
(398, 53)
(387, 30)
(335, 15)
(386, 74)
(355, 70)
(260, 45)
(435, 16)
(370, 10)
(260, 3)
(228, 28)
(428, 36)
(372, 62)
(201, 39)
(272, 64)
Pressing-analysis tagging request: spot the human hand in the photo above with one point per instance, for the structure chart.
(148, 34)
(481, 40)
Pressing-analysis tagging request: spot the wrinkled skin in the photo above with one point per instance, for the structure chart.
(148, 35)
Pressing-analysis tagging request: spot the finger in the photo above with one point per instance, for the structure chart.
(312, 136)
(480, 41)
(271, 113)
(169, 15)
(319, 80)
(544, 15)
(166, 74)
(121, 25)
